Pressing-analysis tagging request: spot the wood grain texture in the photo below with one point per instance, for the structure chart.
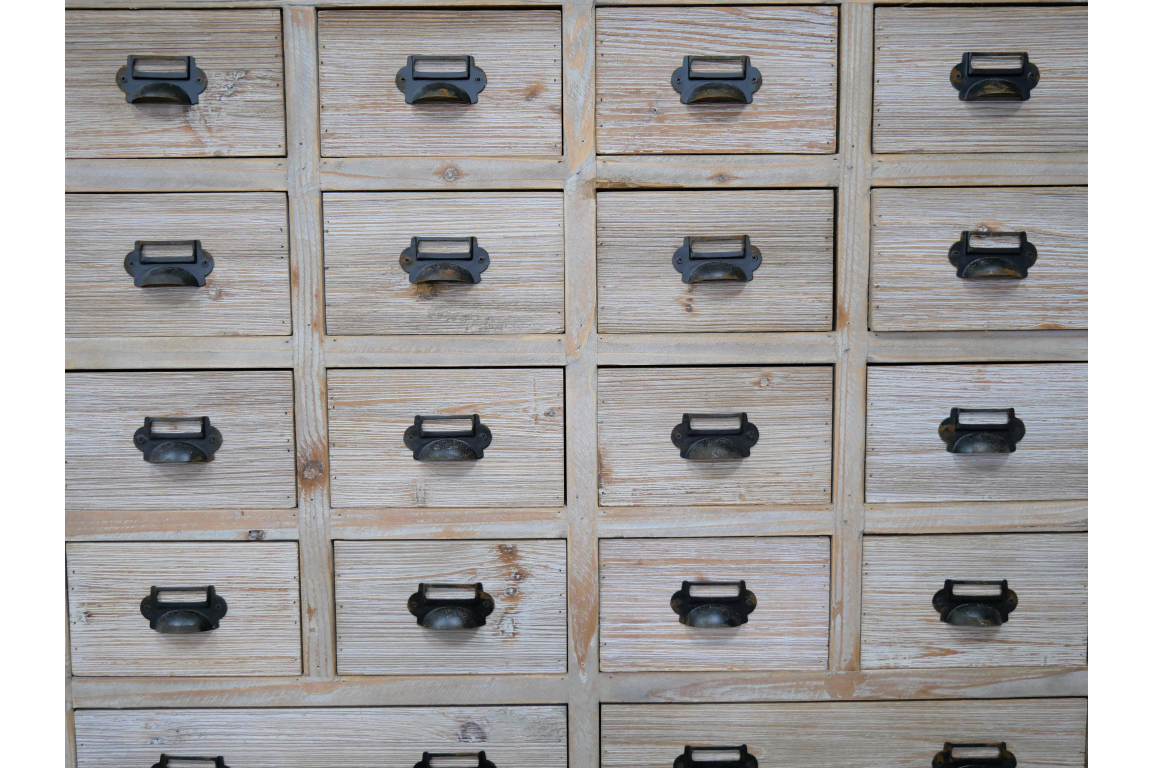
(655, 522)
(915, 287)
(456, 523)
(639, 631)
(363, 113)
(790, 464)
(918, 110)
(254, 466)
(907, 460)
(1048, 573)
(368, 411)
(978, 346)
(1045, 733)
(969, 517)
(638, 111)
(246, 294)
(367, 292)
(240, 113)
(185, 174)
(259, 635)
(181, 524)
(721, 171)
(640, 291)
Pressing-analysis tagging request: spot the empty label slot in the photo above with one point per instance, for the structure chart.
(168, 253)
(452, 425)
(715, 247)
(975, 751)
(447, 248)
(979, 418)
(715, 755)
(713, 590)
(726, 67)
(180, 596)
(447, 68)
(451, 592)
(987, 240)
(190, 762)
(714, 423)
(976, 590)
(177, 427)
(161, 68)
(998, 63)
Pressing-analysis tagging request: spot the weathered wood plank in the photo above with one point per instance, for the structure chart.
(217, 174)
(351, 174)
(718, 349)
(978, 346)
(722, 171)
(455, 523)
(973, 169)
(968, 517)
(184, 524)
(676, 521)
(112, 353)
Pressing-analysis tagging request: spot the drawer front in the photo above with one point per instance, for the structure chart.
(908, 460)
(258, 634)
(363, 112)
(253, 467)
(639, 111)
(239, 113)
(246, 293)
(524, 630)
(791, 462)
(1040, 733)
(370, 410)
(915, 285)
(1047, 573)
(521, 287)
(640, 631)
(351, 737)
(642, 290)
(917, 109)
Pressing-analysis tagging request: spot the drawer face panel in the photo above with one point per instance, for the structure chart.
(907, 460)
(525, 632)
(364, 113)
(1042, 733)
(258, 635)
(916, 288)
(240, 112)
(788, 629)
(245, 294)
(350, 737)
(254, 467)
(639, 111)
(641, 291)
(368, 292)
(1047, 572)
(369, 411)
(791, 463)
(917, 109)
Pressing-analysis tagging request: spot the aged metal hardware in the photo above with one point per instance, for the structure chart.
(995, 77)
(465, 607)
(715, 757)
(981, 430)
(217, 762)
(444, 260)
(168, 262)
(164, 79)
(183, 618)
(713, 603)
(482, 760)
(975, 607)
(725, 444)
(453, 445)
(998, 254)
(711, 79)
(704, 259)
(948, 759)
(441, 78)
(177, 448)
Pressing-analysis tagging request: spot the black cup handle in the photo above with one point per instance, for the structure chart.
(713, 611)
(974, 610)
(482, 760)
(969, 430)
(709, 259)
(974, 260)
(184, 618)
(451, 613)
(690, 758)
(716, 79)
(184, 448)
(187, 264)
(948, 759)
(161, 79)
(994, 77)
(715, 444)
(217, 762)
(441, 78)
(459, 445)
(444, 260)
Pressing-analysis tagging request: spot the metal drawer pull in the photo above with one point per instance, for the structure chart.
(441, 78)
(453, 760)
(713, 603)
(712, 79)
(704, 259)
(170, 617)
(715, 757)
(179, 762)
(977, 605)
(168, 262)
(974, 756)
(992, 254)
(981, 430)
(447, 445)
(698, 442)
(161, 447)
(444, 260)
(450, 606)
(995, 77)
(164, 79)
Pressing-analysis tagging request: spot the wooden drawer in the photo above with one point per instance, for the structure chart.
(639, 111)
(640, 631)
(915, 286)
(907, 460)
(1040, 733)
(363, 112)
(239, 113)
(350, 737)
(254, 466)
(259, 634)
(521, 289)
(526, 630)
(1048, 573)
(917, 109)
(370, 410)
(791, 462)
(642, 291)
(245, 294)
